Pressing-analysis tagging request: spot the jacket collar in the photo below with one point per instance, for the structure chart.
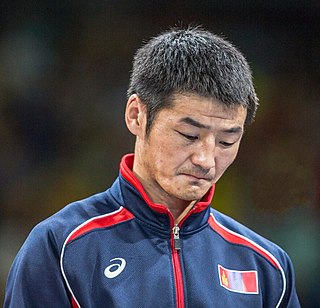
(138, 202)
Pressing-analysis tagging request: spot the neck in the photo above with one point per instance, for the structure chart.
(178, 215)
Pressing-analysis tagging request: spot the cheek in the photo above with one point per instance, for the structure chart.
(169, 150)
(225, 160)
(168, 160)
(159, 157)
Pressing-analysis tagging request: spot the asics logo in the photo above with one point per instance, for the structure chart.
(116, 268)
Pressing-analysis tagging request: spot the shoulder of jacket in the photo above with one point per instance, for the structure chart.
(56, 228)
(235, 232)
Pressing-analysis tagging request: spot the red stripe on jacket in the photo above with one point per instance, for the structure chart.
(239, 239)
(103, 221)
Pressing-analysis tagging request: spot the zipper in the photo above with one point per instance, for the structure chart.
(176, 247)
(176, 237)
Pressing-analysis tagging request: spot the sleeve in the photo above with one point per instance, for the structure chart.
(35, 279)
(290, 298)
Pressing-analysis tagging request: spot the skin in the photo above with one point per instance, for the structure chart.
(189, 147)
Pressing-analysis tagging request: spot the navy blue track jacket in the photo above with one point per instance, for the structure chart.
(118, 249)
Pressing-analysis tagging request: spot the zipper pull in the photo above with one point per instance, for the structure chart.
(176, 237)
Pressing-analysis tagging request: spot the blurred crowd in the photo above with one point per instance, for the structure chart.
(64, 71)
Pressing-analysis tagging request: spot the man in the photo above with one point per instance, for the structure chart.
(152, 240)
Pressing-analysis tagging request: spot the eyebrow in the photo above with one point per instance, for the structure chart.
(236, 129)
(190, 121)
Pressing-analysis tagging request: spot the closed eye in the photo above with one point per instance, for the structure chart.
(227, 144)
(189, 137)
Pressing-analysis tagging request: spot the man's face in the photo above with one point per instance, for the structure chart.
(189, 147)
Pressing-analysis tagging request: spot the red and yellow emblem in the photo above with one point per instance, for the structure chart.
(239, 281)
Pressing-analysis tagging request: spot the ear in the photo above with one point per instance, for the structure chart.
(135, 115)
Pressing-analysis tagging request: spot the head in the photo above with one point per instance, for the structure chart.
(191, 61)
(190, 97)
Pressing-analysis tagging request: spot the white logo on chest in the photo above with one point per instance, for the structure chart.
(115, 268)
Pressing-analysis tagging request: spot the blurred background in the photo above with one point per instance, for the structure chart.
(64, 72)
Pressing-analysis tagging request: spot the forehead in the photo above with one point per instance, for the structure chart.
(205, 110)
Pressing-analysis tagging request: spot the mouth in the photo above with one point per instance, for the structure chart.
(197, 177)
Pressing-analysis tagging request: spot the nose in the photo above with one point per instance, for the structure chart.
(204, 155)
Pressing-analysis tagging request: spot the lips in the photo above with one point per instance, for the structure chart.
(198, 177)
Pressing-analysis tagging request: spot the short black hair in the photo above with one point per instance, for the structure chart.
(191, 61)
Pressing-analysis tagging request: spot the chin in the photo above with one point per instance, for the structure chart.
(187, 192)
(191, 196)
